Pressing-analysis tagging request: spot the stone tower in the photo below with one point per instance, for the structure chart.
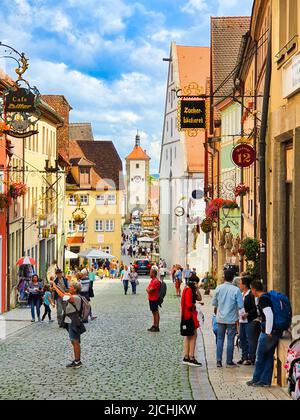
(138, 173)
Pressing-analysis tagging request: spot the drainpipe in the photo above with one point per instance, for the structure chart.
(262, 163)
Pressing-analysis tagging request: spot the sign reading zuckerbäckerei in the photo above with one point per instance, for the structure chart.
(192, 115)
(20, 101)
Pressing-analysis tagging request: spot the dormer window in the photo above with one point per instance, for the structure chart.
(85, 176)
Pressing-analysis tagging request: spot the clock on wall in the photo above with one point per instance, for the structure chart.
(137, 179)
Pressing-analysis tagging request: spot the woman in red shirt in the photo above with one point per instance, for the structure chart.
(188, 310)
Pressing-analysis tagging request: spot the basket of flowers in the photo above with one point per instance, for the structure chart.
(17, 189)
(241, 190)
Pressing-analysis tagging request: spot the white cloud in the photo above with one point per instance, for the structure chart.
(166, 35)
(116, 109)
(195, 6)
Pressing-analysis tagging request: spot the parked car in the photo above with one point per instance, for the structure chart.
(143, 267)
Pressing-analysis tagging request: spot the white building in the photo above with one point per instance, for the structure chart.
(182, 167)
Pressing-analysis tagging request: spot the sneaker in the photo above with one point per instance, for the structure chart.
(219, 365)
(71, 365)
(250, 383)
(151, 329)
(94, 318)
(186, 361)
(247, 363)
(51, 321)
(195, 363)
(241, 362)
(33, 320)
(232, 365)
(261, 385)
(74, 365)
(77, 365)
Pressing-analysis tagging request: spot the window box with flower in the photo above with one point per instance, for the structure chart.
(17, 189)
(241, 190)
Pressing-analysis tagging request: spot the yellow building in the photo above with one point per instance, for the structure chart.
(35, 163)
(95, 182)
(283, 154)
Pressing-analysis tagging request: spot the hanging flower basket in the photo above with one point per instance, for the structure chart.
(241, 190)
(214, 206)
(4, 201)
(206, 225)
(17, 189)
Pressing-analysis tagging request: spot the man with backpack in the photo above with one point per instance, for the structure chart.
(276, 316)
(62, 283)
(73, 319)
(153, 291)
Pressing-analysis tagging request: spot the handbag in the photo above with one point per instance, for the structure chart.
(187, 327)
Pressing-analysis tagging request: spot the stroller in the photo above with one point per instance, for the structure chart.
(293, 368)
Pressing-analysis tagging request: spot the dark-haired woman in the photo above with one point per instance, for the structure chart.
(189, 312)
(35, 290)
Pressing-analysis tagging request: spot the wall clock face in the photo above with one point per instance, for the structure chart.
(137, 179)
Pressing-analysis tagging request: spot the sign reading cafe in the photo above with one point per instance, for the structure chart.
(21, 100)
(192, 115)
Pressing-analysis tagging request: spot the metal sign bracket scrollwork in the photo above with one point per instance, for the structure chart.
(19, 102)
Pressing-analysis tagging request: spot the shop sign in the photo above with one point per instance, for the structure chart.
(192, 115)
(244, 155)
(21, 100)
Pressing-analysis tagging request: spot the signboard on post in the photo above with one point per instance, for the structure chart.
(21, 100)
(244, 155)
(192, 115)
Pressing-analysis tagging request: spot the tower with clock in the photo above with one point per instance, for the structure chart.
(138, 174)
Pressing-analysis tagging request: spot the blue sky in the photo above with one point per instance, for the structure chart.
(105, 56)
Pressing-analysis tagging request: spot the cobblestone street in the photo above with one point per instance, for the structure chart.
(121, 359)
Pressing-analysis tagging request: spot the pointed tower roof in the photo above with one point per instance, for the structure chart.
(138, 153)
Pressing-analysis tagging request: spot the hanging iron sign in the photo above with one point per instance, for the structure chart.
(244, 155)
(192, 115)
(21, 100)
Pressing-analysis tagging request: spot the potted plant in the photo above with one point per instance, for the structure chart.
(17, 189)
(241, 190)
(210, 284)
(251, 251)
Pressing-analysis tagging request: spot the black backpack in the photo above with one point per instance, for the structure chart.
(162, 293)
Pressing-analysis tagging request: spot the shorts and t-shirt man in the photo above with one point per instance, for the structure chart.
(153, 296)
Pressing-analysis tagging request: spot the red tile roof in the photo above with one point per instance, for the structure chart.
(138, 154)
(108, 164)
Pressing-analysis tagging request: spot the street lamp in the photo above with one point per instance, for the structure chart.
(227, 229)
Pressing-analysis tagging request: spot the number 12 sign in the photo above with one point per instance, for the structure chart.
(244, 155)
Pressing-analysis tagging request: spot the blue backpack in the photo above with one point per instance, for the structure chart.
(282, 311)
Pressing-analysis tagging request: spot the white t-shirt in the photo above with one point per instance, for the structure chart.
(242, 311)
(126, 275)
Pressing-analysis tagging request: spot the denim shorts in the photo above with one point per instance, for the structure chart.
(73, 334)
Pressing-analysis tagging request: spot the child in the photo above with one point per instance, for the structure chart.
(47, 302)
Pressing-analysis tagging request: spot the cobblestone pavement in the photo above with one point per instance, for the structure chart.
(121, 359)
(230, 384)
